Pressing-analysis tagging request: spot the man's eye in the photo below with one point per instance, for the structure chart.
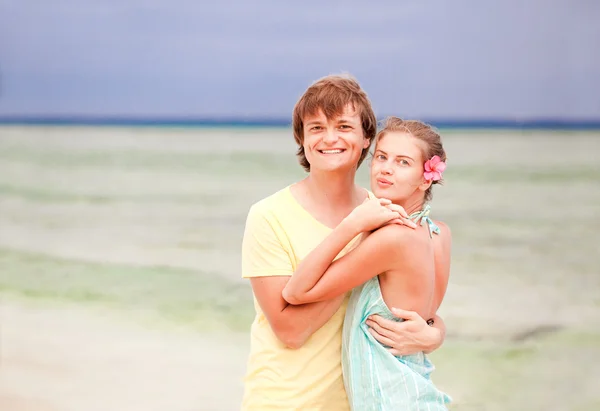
(345, 126)
(316, 128)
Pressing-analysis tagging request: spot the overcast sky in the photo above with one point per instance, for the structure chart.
(458, 59)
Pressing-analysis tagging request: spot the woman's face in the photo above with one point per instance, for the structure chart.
(397, 168)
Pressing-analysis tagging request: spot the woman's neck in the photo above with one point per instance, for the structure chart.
(412, 205)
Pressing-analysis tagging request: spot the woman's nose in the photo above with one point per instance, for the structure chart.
(386, 169)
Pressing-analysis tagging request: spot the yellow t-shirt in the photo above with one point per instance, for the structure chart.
(279, 234)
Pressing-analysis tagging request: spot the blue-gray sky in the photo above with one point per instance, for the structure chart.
(511, 59)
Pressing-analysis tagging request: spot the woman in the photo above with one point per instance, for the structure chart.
(397, 267)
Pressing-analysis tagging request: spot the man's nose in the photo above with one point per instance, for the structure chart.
(331, 136)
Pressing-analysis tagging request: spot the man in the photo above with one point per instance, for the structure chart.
(295, 356)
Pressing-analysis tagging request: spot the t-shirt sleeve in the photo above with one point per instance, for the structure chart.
(263, 254)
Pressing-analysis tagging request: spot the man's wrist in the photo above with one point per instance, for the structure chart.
(435, 340)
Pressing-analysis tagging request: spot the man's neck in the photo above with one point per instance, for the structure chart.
(334, 190)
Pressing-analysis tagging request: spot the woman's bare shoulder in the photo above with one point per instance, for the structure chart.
(443, 226)
(445, 234)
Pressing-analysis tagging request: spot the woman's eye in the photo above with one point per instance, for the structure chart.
(380, 157)
(404, 162)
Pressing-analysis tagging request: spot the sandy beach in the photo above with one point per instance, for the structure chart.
(120, 253)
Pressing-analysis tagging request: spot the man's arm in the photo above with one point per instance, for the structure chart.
(268, 264)
(292, 324)
(440, 326)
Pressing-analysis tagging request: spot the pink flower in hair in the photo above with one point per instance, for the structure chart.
(434, 169)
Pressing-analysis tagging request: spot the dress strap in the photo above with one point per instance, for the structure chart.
(423, 217)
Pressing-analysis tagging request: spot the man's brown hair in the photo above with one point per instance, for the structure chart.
(332, 94)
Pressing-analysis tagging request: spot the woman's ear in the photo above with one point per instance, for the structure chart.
(425, 184)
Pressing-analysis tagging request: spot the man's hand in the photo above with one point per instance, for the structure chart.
(407, 337)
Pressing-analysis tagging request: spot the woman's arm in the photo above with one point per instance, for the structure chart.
(366, 217)
(317, 279)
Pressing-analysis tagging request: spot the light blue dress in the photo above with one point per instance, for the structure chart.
(375, 379)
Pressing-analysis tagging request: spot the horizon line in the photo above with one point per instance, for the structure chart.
(235, 121)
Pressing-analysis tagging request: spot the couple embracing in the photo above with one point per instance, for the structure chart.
(347, 281)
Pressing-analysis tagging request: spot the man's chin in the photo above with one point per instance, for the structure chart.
(336, 168)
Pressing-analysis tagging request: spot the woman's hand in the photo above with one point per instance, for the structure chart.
(374, 213)
(403, 220)
(411, 336)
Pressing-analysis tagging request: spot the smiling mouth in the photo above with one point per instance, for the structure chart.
(332, 151)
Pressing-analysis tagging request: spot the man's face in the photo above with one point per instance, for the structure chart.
(334, 144)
